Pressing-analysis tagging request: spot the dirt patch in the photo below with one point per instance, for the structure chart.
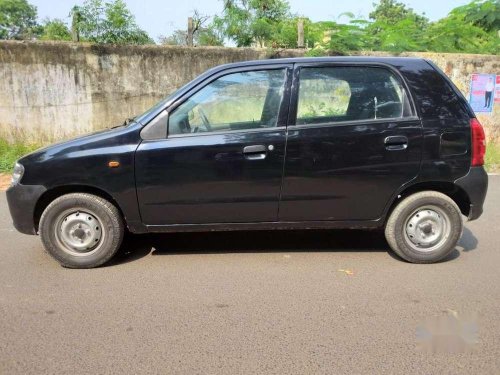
(4, 181)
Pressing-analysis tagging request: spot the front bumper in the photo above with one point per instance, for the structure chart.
(475, 184)
(22, 201)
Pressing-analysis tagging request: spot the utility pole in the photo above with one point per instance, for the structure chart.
(300, 33)
(75, 33)
(190, 32)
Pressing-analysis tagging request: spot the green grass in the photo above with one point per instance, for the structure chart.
(492, 158)
(9, 153)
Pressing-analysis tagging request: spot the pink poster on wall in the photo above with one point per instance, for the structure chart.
(497, 90)
(482, 90)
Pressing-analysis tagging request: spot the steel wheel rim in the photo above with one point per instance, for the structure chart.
(79, 232)
(427, 229)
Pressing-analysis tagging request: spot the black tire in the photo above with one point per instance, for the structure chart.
(103, 216)
(400, 222)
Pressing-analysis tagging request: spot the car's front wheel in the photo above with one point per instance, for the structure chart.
(424, 227)
(81, 230)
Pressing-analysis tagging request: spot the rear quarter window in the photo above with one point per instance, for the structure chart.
(435, 98)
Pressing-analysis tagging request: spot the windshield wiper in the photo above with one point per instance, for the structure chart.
(125, 123)
(129, 121)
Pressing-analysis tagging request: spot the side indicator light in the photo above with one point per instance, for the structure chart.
(114, 164)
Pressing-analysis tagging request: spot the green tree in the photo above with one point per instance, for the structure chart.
(55, 29)
(17, 20)
(109, 22)
(404, 35)
(351, 36)
(203, 37)
(391, 12)
(482, 13)
(204, 34)
(208, 36)
(334, 37)
(177, 38)
(285, 33)
(246, 22)
(466, 29)
(396, 27)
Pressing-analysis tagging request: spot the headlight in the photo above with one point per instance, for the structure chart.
(17, 174)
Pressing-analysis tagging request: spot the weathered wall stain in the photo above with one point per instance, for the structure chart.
(54, 90)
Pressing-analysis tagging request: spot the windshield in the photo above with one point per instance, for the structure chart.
(153, 111)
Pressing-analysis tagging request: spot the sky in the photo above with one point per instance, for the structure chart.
(162, 17)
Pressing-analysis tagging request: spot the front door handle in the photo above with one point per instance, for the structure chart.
(396, 142)
(255, 152)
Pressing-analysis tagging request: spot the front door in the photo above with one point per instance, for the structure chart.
(222, 160)
(353, 141)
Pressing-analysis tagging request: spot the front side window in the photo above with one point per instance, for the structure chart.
(237, 101)
(335, 94)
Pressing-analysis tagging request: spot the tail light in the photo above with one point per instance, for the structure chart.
(478, 143)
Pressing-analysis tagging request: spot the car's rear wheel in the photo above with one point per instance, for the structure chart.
(81, 230)
(424, 227)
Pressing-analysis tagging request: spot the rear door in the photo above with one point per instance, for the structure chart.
(222, 160)
(353, 140)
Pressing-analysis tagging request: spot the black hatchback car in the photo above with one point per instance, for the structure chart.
(272, 144)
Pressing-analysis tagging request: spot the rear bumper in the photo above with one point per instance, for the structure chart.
(475, 184)
(22, 201)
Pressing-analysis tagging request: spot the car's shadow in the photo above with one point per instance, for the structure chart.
(468, 241)
(138, 246)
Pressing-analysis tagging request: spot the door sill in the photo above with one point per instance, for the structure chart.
(273, 225)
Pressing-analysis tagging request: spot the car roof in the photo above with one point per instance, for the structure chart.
(394, 61)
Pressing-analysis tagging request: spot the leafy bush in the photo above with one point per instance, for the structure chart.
(492, 158)
(9, 153)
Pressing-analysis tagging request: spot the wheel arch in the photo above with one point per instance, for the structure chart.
(51, 194)
(455, 192)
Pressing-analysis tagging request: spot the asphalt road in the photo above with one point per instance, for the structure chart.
(247, 302)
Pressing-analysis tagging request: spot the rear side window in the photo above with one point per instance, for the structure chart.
(336, 94)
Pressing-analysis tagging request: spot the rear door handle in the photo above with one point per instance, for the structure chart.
(396, 142)
(255, 152)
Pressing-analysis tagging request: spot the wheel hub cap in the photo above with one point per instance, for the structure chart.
(426, 228)
(80, 231)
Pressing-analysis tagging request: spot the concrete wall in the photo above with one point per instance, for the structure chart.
(51, 91)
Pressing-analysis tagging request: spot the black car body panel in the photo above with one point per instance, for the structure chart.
(195, 180)
(22, 200)
(475, 184)
(332, 173)
(82, 163)
(445, 116)
(303, 176)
